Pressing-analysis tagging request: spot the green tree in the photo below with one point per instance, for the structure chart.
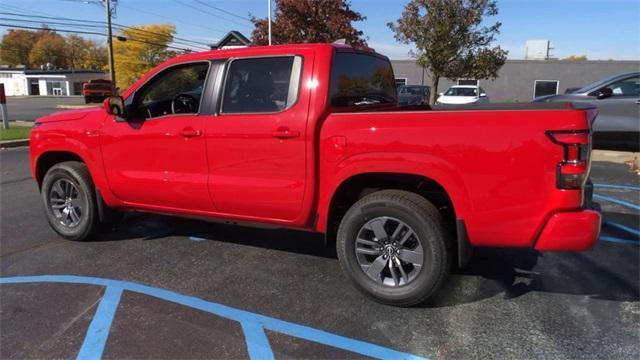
(144, 48)
(451, 38)
(309, 21)
(16, 46)
(49, 48)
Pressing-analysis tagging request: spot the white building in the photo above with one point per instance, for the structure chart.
(21, 82)
(537, 50)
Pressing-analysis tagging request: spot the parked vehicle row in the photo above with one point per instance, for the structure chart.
(618, 101)
(312, 137)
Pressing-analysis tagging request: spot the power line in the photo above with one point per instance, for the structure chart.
(172, 19)
(222, 10)
(89, 33)
(208, 13)
(120, 26)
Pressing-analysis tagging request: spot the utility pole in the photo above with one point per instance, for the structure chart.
(269, 19)
(112, 69)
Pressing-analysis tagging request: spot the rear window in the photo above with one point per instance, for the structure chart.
(361, 79)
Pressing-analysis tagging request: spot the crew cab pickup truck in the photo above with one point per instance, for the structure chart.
(311, 137)
(96, 90)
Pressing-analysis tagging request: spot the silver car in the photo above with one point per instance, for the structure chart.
(617, 97)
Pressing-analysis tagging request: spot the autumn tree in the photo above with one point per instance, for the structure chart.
(49, 48)
(85, 53)
(16, 46)
(309, 21)
(451, 39)
(575, 58)
(143, 48)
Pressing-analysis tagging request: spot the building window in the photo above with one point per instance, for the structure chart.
(401, 81)
(472, 82)
(545, 87)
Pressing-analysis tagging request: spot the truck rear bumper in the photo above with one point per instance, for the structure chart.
(570, 231)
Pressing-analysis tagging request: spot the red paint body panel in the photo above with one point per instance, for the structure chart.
(497, 166)
(570, 231)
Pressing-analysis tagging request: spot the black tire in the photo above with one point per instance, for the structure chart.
(76, 174)
(87, 99)
(431, 234)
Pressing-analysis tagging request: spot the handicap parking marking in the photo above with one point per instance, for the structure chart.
(621, 187)
(622, 227)
(616, 201)
(253, 325)
(618, 240)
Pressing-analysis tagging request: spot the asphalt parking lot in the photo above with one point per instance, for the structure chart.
(29, 108)
(159, 287)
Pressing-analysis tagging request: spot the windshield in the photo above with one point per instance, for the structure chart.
(462, 92)
(361, 79)
(412, 90)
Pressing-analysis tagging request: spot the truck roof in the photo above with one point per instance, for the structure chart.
(265, 50)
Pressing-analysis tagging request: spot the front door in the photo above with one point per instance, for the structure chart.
(256, 144)
(157, 156)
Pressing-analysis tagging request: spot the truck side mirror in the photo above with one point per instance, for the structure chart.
(483, 95)
(114, 105)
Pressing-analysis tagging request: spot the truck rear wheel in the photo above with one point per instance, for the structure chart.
(70, 202)
(394, 247)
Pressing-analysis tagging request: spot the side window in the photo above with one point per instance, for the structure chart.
(261, 85)
(176, 90)
(627, 87)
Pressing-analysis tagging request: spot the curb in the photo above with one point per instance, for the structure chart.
(14, 143)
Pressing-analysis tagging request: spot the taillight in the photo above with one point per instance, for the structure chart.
(573, 170)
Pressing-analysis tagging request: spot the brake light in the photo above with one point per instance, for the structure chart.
(573, 170)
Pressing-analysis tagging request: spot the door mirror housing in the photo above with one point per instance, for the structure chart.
(441, 94)
(604, 93)
(483, 95)
(114, 105)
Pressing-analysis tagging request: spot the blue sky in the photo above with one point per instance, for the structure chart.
(600, 29)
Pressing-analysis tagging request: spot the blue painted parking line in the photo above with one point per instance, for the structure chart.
(618, 240)
(616, 201)
(252, 324)
(98, 331)
(612, 186)
(622, 227)
(257, 343)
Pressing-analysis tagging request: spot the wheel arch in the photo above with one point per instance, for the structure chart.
(48, 159)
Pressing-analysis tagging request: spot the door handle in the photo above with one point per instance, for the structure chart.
(189, 132)
(285, 133)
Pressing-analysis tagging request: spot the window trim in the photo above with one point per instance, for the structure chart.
(132, 97)
(293, 81)
(535, 82)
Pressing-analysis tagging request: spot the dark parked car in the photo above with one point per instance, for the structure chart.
(413, 94)
(618, 100)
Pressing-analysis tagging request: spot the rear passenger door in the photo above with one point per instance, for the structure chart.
(256, 142)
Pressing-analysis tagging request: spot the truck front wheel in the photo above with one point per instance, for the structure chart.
(394, 246)
(69, 199)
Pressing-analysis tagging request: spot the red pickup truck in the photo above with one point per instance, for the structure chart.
(96, 90)
(311, 137)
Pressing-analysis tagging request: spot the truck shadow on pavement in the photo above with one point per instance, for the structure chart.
(608, 272)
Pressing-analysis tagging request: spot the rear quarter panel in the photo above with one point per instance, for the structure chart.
(498, 167)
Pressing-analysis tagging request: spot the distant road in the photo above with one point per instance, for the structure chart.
(29, 108)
